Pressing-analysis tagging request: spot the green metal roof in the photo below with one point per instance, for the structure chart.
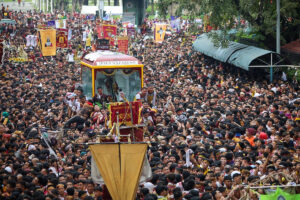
(244, 57)
(205, 45)
(236, 54)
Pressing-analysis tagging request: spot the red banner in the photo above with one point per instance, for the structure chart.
(124, 113)
(123, 45)
(130, 31)
(99, 31)
(62, 38)
(109, 32)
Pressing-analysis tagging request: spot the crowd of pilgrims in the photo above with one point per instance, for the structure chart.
(213, 130)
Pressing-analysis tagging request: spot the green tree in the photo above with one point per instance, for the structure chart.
(152, 7)
(260, 14)
(64, 5)
(162, 6)
(61, 4)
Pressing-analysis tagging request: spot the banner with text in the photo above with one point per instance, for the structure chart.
(110, 32)
(130, 31)
(175, 23)
(123, 45)
(124, 113)
(159, 32)
(102, 44)
(51, 23)
(62, 38)
(48, 42)
(61, 23)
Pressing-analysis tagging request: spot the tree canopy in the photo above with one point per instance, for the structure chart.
(225, 15)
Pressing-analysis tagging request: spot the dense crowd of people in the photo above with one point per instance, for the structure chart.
(214, 130)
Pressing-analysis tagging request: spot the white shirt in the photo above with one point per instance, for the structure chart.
(70, 57)
(84, 36)
(53, 170)
(69, 34)
(274, 89)
(138, 96)
(268, 128)
(257, 95)
(150, 186)
(28, 40)
(153, 101)
(33, 40)
(293, 101)
(148, 119)
(74, 105)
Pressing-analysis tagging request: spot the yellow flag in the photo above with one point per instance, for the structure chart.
(160, 32)
(107, 158)
(61, 23)
(48, 42)
(88, 42)
(5, 121)
(132, 157)
(120, 166)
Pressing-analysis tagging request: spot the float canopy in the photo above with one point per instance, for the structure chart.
(108, 59)
(101, 67)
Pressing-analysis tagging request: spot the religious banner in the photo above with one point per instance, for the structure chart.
(130, 31)
(48, 42)
(62, 38)
(109, 32)
(31, 40)
(159, 32)
(124, 113)
(51, 23)
(61, 23)
(102, 44)
(175, 23)
(123, 45)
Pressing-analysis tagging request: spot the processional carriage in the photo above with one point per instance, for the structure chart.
(119, 158)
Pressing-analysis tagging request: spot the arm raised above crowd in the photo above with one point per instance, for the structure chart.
(266, 162)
